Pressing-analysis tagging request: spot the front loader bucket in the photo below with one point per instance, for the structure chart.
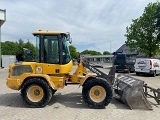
(130, 92)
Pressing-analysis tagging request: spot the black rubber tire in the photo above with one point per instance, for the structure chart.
(154, 74)
(53, 91)
(129, 71)
(46, 90)
(97, 82)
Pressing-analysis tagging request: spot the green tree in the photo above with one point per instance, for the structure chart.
(142, 34)
(20, 45)
(106, 53)
(91, 52)
(9, 48)
(73, 51)
(12, 48)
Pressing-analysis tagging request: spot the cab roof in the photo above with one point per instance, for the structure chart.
(47, 32)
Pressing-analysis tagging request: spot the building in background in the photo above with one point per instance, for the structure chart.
(108, 58)
(126, 50)
(98, 58)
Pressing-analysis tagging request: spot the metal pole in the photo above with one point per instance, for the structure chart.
(2, 20)
(110, 46)
(0, 50)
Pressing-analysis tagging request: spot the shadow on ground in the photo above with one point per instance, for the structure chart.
(71, 100)
(11, 100)
(119, 104)
(141, 75)
(75, 100)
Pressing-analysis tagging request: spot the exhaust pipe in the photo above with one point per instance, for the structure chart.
(130, 92)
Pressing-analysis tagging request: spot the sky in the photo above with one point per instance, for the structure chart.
(98, 25)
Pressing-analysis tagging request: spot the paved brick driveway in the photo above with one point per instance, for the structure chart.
(67, 104)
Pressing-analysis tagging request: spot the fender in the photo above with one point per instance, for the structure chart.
(88, 75)
(46, 78)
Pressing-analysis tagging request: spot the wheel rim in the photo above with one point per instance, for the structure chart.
(97, 93)
(35, 93)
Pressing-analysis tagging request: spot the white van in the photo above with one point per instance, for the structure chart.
(147, 66)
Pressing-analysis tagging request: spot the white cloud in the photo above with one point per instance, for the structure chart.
(92, 24)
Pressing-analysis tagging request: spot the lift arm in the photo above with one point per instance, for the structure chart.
(110, 77)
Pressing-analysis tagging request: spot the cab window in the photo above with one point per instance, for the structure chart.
(51, 51)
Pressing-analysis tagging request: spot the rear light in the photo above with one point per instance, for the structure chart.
(134, 62)
(150, 64)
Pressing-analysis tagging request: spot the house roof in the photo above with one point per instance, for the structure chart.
(122, 48)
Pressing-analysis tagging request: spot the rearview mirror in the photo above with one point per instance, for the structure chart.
(68, 37)
(70, 40)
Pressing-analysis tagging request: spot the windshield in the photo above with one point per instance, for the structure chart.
(65, 52)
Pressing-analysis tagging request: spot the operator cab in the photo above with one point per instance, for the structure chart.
(52, 47)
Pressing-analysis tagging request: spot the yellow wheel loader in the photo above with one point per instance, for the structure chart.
(39, 78)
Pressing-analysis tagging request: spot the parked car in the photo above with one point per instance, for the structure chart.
(124, 62)
(147, 66)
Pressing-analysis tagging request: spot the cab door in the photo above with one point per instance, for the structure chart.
(51, 55)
